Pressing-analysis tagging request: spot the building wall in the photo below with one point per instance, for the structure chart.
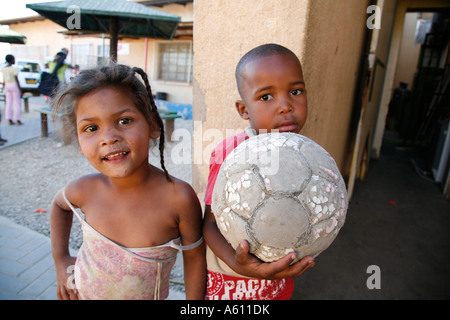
(334, 44)
(327, 36)
(42, 33)
(177, 92)
(44, 40)
(409, 52)
(366, 113)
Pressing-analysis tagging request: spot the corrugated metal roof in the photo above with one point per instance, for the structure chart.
(134, 19)
(11, 36)
(118, 8)
(160, 3)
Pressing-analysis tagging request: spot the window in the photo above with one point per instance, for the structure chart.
(175, 61)
(81, 54)
(103, 54)
(25, 66)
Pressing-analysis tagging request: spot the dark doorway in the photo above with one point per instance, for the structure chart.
(419, 112)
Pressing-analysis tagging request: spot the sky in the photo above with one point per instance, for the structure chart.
(16, 8)
(10, 9)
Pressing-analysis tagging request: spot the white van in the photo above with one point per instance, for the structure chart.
(29, 74)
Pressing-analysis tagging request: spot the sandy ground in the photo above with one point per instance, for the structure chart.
(33, 171)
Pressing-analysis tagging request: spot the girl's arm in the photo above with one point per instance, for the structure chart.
(247, 264)
(16, 77)
(190, 228)
(60, 225)
(195, 273)
(18, 83)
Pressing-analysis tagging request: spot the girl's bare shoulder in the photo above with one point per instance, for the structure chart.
(79, 190)
(181, 194)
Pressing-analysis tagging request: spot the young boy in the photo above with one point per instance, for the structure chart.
(273, 98)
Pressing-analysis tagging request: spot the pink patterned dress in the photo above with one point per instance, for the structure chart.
(105, 270)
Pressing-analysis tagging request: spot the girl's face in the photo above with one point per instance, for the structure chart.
(274, 94)
(112, 133)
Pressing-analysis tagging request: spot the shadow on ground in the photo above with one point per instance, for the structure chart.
(397, 220)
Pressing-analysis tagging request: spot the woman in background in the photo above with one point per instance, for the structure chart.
(12, 91)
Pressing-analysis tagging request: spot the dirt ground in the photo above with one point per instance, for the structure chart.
(397, 221)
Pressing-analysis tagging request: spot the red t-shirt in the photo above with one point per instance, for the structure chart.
(218, 156)
(229, 285)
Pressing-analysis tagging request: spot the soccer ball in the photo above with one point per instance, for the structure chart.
(281, 192)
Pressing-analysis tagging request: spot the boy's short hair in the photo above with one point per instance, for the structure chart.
(261, 51)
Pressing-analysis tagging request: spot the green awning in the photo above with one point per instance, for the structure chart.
(134, 19)
(11, 36)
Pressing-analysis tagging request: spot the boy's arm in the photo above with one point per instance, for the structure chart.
(60, 225)
(190, 227)
(246, 264)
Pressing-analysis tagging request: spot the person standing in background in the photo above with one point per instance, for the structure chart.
(12, 91)
(60, 64)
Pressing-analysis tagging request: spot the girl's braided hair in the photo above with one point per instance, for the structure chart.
(65, 100)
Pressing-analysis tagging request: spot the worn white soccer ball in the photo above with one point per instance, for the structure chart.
(281, 192)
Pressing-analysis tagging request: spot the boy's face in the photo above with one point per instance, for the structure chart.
(273, 94)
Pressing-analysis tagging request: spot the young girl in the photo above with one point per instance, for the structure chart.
(136, 216)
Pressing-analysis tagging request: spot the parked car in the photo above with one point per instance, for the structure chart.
(29, 74)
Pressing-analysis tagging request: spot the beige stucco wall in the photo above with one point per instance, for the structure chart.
(47, 35)
(379, 50)
(326, 35)
(184, 11)
(335, 36)
(42, 33)
(409, 52)
(367, 117)
(177, 92)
